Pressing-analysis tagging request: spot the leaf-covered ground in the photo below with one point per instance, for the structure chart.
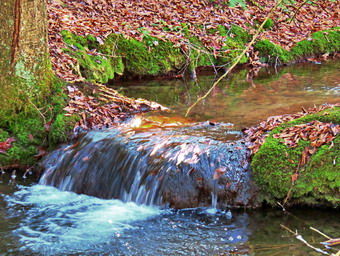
(319, 133)
(293, 21)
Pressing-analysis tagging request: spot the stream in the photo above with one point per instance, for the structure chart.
(114, 192)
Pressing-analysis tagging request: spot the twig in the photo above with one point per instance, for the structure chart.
(237, 60)
(318, 231)
(106, 55)
(43, 117)
(299, 237)
(297, 10)
(256, 4)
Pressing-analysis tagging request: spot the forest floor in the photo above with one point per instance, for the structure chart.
(292, 21)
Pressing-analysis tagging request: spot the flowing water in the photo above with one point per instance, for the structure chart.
(126, 178)
(241, 102)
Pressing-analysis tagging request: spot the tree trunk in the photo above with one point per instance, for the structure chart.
(25, 70)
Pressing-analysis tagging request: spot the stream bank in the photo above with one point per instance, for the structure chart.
(118, 56)
(230, 103)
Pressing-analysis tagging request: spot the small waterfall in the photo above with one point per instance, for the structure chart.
(155, 167)
(214, 197)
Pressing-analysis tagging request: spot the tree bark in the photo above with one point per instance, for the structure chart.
(25, 70)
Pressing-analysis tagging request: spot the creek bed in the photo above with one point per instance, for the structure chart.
(42, 220)
(241, 101)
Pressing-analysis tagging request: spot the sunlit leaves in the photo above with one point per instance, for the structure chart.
(110, 109)
(318, 134)
(172, 20)
(6, 145)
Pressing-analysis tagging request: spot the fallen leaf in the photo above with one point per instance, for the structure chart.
(218, 173)
(6, 145)
(294, 177)
(41, 153)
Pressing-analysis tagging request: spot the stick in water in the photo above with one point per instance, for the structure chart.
(238, 58)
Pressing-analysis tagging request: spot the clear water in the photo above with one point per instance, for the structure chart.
(244, 102)
(41, 220)
(154, 167)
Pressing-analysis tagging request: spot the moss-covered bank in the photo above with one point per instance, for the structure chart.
(318, 180)
(101, 61)
(36, 123)
(320, 42)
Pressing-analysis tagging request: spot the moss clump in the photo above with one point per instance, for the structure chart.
(271, 53)
(97, 68)
(118, 54)
(61, 128)
(240, 35)
(149, 57)
(234, 44)
(29, 132)
(318, 182)
(327, 41)
(30, 127)
(269, 24)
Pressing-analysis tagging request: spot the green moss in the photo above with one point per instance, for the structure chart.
(271, 52)
(234, 44)
(327, 41)
(61, 127)
(96, 68)
(28, 130)
(241, 35)
(269, 24)
(118, 54)
(318, 181)
(321, 42)
(29, 126)
(3, 135)
(150, 57)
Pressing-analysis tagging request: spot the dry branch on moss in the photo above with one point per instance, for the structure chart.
(101, 107)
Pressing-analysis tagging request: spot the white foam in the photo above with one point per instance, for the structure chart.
(59, 221)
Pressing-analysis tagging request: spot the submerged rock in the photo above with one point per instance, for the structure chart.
(155, 167)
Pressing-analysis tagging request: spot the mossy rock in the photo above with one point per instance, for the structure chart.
(100, 61)
(150, 56)
(96, 68)
(30, 126)
(318, 181)
(327, 41)
(118, 54)
(271, 53)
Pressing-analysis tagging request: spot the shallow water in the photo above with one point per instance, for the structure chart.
(41, 220)
(245, 102)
